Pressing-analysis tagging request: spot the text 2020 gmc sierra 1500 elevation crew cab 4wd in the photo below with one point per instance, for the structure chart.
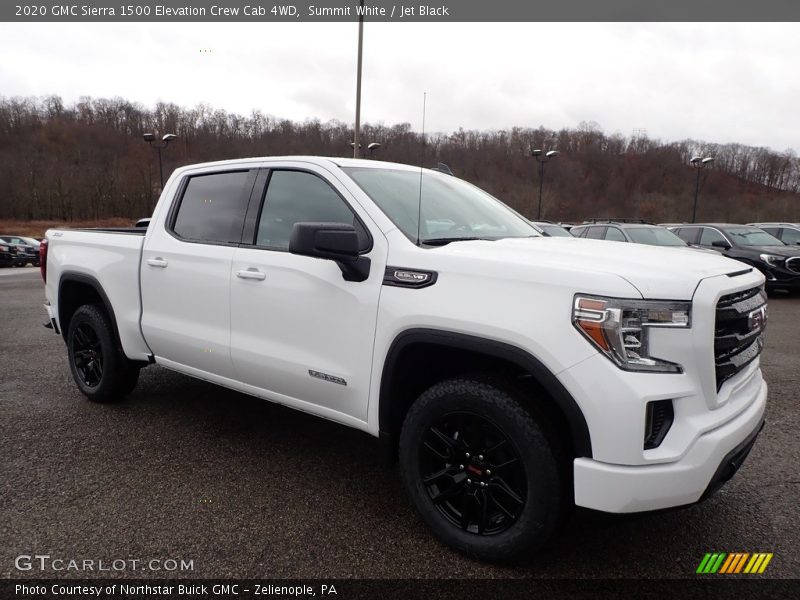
(513, 373)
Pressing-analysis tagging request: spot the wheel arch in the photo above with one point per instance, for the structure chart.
(76, 289)
(406, 372)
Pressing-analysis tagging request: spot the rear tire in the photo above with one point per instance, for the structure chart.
(101, 371)
(480, 470)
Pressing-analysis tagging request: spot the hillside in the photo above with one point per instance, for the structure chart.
(87, 161)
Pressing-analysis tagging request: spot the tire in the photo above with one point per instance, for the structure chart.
(101, 372)
(451, 499)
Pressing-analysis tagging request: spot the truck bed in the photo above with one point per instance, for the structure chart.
(108, 259)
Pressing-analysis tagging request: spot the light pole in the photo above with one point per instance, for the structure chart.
(356, 144)
(150, 138)
(699, 163)
(542, 159)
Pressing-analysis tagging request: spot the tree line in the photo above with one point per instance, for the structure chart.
(87, 160)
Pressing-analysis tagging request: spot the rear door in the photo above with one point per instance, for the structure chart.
(300, 332)
(185, 271)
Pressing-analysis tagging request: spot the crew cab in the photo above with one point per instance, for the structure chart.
(512, 375)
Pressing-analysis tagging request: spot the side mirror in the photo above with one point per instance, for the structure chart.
(721, 244)
(331, 241)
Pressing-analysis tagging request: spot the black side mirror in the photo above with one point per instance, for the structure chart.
(331, 241)
(721, 244)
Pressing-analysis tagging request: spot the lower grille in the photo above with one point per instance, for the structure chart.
(793, 264)
(739, 332)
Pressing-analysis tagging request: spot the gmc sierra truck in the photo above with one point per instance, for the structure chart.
(512, 375)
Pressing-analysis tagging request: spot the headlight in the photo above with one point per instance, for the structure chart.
(619, 327)
(771, 259)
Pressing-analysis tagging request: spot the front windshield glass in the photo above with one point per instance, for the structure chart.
(654, 236)
(752, 236)
(452, 209)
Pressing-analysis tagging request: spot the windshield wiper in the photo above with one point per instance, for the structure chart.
(446, 240)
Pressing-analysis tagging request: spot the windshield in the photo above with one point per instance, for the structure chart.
(451, 208)
(654, 236)
(752, 236)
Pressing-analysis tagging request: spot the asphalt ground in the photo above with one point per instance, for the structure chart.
(244, 488)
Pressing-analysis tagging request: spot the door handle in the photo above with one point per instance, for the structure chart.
(157, 262)
(251, 273)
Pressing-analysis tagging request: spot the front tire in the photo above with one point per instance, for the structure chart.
(479, 469)
(101, 371)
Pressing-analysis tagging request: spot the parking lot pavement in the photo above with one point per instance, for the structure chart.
(244, 488)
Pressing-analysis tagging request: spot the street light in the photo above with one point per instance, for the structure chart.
(371, 148)
(699, 163)
(150, 138)
(542, 159)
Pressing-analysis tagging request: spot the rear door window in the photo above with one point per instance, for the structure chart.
(709, 236)
(615, 235)
(595, 233)
(213, 207)
(687, 234)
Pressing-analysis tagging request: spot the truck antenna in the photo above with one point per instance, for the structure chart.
(421, 162)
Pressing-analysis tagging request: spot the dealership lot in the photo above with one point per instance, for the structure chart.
(185, 470)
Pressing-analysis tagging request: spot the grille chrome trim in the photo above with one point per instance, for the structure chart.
(793, 264)
(738, 332)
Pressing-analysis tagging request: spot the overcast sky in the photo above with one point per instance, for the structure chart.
(717, 82)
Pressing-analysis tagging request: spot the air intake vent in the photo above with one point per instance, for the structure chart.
(658, 419)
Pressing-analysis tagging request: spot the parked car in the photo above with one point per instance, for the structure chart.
(788, 233)
(25, 253)
(779, 263)
(552, 229)
(512, 373)
(8, 255)
(145, 222)
(633, 232)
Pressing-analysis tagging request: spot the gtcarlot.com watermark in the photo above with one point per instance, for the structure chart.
(57, 564)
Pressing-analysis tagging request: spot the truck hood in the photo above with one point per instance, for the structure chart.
(657, 272)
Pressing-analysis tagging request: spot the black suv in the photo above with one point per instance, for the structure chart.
(25, 252)
(779, 262)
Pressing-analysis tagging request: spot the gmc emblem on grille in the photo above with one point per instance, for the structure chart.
(757, 319)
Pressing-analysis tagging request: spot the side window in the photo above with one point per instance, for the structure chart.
(595, 233)
(615, 235)
(212, 208)
(687, 234)
(297, 197)
(775, 231)
(710, 236)
(791, 236)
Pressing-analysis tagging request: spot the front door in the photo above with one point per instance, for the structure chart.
(299, 331)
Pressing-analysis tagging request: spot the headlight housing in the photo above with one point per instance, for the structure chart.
(771, 259)
(619, 328)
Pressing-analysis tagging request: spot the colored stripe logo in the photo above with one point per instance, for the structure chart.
(734, 562)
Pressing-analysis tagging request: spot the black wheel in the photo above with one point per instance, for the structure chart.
(102, 373)
(480, 470)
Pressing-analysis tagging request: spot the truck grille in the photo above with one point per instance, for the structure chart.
(793, 264)
(739, 332)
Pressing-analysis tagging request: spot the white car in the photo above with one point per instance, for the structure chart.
(512, 373)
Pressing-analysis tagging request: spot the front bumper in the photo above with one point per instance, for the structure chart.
(709, 462)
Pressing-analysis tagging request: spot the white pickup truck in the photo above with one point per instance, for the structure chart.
(513, 374)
